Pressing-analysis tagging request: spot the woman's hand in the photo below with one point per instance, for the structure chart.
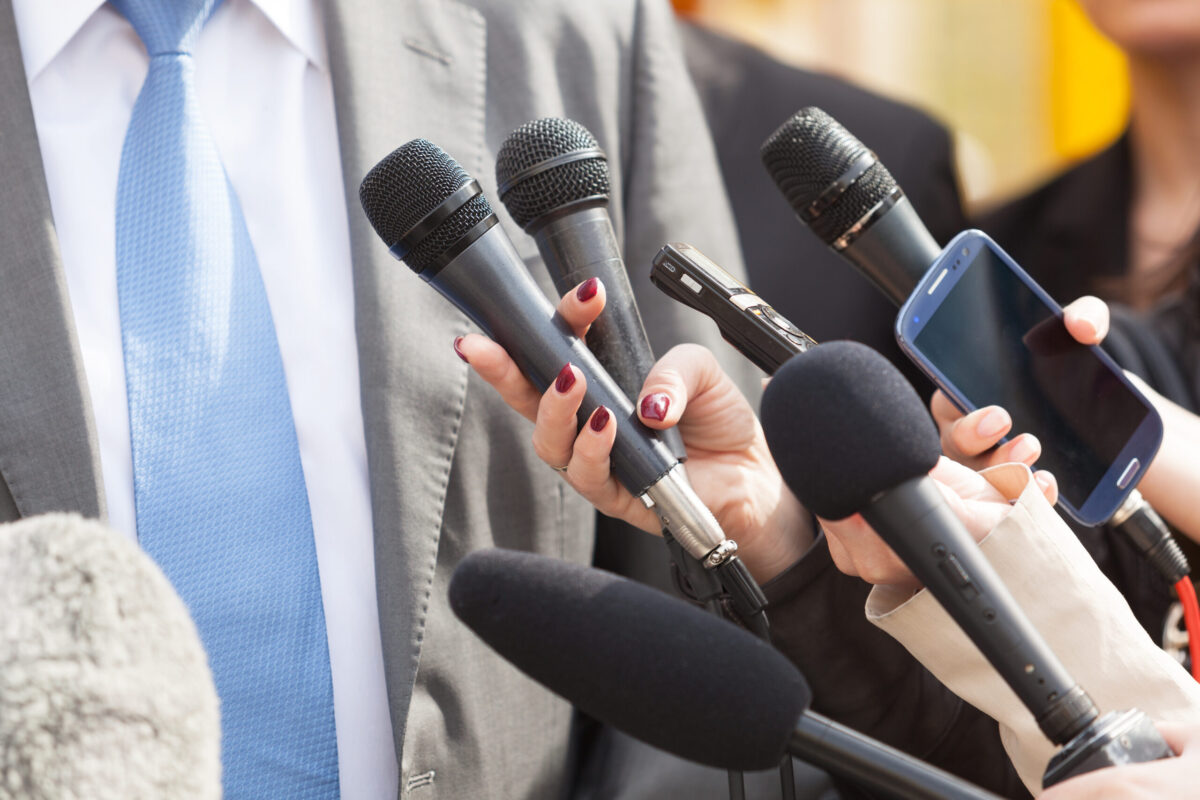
(728, 464)
(857, 550)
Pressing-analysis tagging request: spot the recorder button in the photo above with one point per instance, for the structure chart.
(781, 321)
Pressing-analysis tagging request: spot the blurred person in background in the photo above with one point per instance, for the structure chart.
(1125, 225)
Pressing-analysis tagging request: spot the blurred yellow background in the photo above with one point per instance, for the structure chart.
(1027, 85)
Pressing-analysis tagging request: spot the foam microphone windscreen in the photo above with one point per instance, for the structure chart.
(844, 425)
(105, 691)
(635, 658)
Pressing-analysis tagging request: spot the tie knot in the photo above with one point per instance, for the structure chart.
(166, 26)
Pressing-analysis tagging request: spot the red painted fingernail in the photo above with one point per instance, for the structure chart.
(587, 290)
(599, 419)
(654, 406)
(458, 348)
(565, 379)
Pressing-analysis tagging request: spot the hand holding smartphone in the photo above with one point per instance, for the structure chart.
(987, 334)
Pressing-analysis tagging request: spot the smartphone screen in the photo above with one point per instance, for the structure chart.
(991, 339)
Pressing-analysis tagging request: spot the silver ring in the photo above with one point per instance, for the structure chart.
(559, 469)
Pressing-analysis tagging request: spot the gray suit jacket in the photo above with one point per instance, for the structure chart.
(451, 468)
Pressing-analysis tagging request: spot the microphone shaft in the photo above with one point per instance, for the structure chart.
(847, 753)
(916, 522)
(581, 244)
(489, 283)
(509, 306)
(894, 251)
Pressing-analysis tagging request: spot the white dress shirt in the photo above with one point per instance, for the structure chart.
(265, 90)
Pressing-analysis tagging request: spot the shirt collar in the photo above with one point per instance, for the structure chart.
(45, 27)
(300, 22)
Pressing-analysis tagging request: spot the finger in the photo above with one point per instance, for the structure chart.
(838, 552)
(1048, 484)
(1177, 735)
(689, 379)
(977, 432)
(944, 411)
(1087, 319)
(555, 428)
(580, 306)
(589, 473)
(1023, 449)
(857, 550)
(590, 470)
(495, 366)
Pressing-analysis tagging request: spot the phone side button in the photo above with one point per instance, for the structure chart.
(1127, 476)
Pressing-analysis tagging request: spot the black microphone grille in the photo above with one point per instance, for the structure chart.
(405, 187)
(807, 155)
(844, 425)
(548, 164)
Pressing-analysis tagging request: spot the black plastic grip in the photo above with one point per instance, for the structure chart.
(894, 251)
(916, 522)
(578, 244)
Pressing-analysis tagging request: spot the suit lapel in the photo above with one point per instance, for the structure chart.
(402, 70)
(49, 455)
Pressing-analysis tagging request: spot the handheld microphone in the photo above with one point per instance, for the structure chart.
(866, 445)
(434, 217)
(105, 690)
(553, 179)
(841, 191)
(668, 674)
(847, 197)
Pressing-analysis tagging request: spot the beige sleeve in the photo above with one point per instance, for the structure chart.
(1082, 616)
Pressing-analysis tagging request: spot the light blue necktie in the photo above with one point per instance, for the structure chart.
(220, 495)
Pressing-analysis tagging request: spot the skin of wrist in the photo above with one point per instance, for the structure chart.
(785, 535)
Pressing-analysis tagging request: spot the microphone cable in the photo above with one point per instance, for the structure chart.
(1148, 532)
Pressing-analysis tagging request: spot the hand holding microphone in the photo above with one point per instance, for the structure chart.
(730, 466)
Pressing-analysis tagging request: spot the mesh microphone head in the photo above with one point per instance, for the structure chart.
(413, 180)
(843, 426)
(644, 662)
(809, 152)
(534, 143)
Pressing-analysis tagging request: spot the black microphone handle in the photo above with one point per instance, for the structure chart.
(872, 764)
(915, 521)
(894, 251)
(489, 283)
(580, 244)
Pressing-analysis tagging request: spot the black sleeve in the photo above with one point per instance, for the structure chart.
(863, 678)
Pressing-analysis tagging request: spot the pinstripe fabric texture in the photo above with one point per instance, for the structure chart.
(218, 486)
